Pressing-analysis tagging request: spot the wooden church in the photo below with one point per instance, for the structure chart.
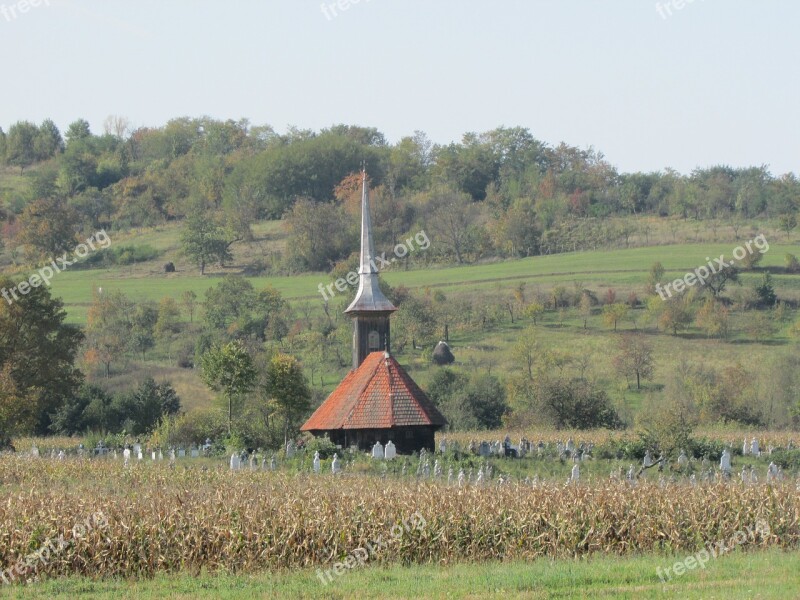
(377, 401)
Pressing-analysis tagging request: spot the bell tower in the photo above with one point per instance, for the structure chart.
(371, 309)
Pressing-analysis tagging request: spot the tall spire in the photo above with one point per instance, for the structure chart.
(369, 297)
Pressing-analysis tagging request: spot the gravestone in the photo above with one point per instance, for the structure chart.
(377, 451)
(754, 448)
(772, 472)
(390, 451)
(290, 449)
(745, 448)
(273, 463)
(460, 477)
(316, 462)
(126, 454)
(725, 462)
(335, 466)
(576, 473)
(443, 446)
(235, 462)
(484, 450)
(648, 460)
(137, 449)
(195, 452)
(35, 451)
(181, 453)
(683, 460)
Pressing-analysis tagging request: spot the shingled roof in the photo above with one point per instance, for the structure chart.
(377, 395)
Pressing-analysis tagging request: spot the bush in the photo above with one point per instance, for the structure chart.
(195, 427)
(792, 264)
(323, 445)
(119, 256)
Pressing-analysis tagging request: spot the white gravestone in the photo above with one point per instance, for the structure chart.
(754, 448)
(335, 466)
(725, 462)
(195, 452)
(126, 454)
(772, 472)
(316, 462)
(235, 462)
(377, 451)
(390, 451)
(576, 473)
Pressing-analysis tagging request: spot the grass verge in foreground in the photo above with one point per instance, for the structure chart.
(768, 574)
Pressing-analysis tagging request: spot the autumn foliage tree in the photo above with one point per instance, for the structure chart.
(635, 358)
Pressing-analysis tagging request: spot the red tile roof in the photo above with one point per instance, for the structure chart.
(377, 395)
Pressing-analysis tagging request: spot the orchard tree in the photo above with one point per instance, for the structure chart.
(204, 242)
(108, 328)
(635, 358)
(189, 301)
(614, 313)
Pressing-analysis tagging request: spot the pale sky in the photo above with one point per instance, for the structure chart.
(715, 82)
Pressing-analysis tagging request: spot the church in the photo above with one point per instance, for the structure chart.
(377, 401)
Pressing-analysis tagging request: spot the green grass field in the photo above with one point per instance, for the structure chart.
(622, 269)
(762, 575)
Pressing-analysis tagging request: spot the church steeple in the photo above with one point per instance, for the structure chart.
(370, 309)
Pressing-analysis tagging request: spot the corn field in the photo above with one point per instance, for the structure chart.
(601, 436)
(161, 519)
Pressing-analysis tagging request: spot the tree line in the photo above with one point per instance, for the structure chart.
(497, 193)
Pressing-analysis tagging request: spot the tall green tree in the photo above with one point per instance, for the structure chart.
(286, 386)
(229, 369)
(37, 359)
(204, 242)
